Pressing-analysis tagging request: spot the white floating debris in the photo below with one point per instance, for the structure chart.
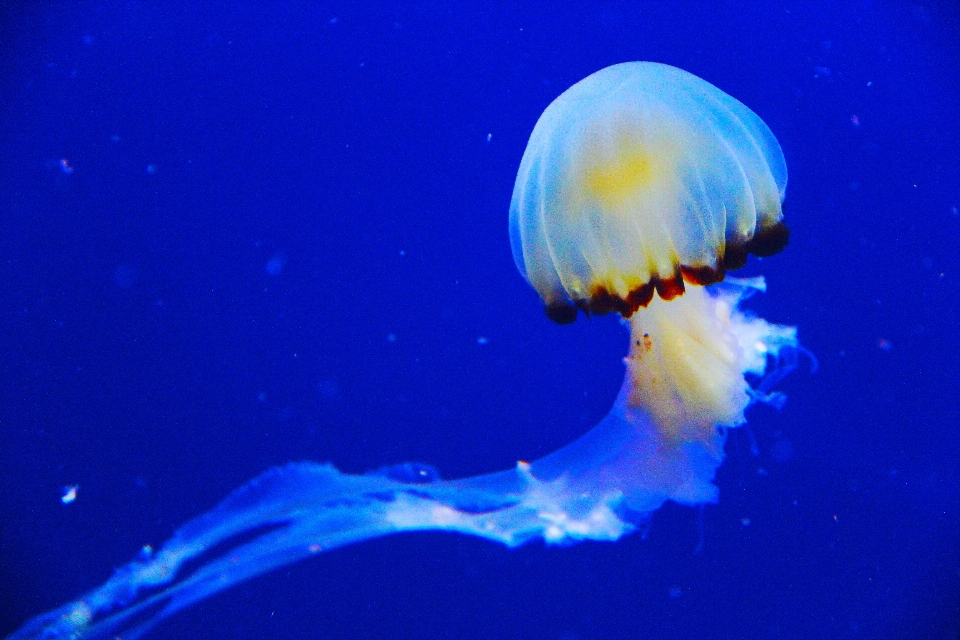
(69, 494)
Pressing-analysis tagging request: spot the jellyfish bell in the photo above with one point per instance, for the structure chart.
(641, 185)
(637, 179)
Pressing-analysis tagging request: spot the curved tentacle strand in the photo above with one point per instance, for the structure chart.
(599, 487)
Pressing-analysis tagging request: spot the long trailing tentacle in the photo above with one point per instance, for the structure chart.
(599, 487)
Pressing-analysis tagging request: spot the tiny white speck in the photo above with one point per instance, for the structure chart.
(69, 494)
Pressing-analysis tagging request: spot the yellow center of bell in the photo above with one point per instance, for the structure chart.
(614, 178)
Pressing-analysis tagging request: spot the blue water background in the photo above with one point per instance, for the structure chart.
(239, 234)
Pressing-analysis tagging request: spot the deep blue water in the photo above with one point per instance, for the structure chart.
(236, 236)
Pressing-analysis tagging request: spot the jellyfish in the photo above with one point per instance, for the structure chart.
(640, 187)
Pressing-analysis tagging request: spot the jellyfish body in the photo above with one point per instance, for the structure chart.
(636, 179)
(644, 179)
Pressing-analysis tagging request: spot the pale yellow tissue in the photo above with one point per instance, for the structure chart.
(686, 366)
(616, 179)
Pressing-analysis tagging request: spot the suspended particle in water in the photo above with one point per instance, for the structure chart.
(69, 494)
(276, 263)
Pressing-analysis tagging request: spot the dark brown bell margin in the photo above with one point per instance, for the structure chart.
(765, 242)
